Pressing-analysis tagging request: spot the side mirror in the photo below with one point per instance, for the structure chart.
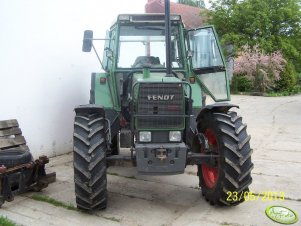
(87, 42)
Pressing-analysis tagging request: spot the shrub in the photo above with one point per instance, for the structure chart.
(288, 78)
(241, 83)
(261, 68)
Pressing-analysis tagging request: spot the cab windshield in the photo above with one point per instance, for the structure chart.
(144, 46)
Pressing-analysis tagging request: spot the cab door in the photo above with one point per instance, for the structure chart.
(207, 62)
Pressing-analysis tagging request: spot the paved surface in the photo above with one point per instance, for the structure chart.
(275, 127)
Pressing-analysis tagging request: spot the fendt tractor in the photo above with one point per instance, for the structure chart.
(150, 103)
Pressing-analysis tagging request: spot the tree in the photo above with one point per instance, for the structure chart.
(195, 3)
(273, 25)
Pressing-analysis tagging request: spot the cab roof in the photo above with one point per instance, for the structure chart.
(146, 18)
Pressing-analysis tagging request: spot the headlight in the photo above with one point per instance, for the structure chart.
(145, 136)
(175, 136)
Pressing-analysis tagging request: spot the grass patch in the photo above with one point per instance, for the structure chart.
(130, 177)
(195, 187)
(112, 219)
(4, 221)
(113, 174)
(191, 173)
(118, 175)
(225, 224)
(229, 224)
(43, 198)
(294, 91)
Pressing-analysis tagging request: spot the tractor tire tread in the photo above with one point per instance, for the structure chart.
(90, 146)
(235, 161)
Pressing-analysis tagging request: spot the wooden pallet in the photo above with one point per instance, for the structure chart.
(11, 136)
(11, 139)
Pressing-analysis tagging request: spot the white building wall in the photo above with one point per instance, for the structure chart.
(43, 73)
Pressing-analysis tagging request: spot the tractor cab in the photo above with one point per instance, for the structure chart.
(139, 41)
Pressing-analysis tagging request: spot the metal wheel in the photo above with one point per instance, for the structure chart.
(210, 173)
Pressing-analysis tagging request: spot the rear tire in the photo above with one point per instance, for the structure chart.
(227, 183)
(90, 148)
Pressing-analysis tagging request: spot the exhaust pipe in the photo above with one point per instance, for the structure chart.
(167, 38)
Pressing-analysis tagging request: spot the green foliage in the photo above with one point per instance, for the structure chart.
(273, 25)
(295, 90)
(195, 3)
(299, 78)
(288, 78)
(43, 198)
(241, 83)
(4, 221)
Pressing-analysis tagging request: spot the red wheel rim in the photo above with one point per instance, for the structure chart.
(210, 174)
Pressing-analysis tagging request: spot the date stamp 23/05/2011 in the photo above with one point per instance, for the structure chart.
(264, 196)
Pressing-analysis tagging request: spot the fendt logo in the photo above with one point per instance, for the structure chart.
(160, 97)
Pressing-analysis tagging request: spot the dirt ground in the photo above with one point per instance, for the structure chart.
(274, 124)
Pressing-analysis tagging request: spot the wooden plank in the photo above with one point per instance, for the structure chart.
(10, 142)
(8, 123)
(18, 148)
(11, 131)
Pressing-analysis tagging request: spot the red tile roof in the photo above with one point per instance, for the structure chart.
(190, 15)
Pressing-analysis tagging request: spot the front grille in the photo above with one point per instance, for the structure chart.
(163, 103)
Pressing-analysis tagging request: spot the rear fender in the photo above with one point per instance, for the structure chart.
(90, 109)
(110, 115)
(196, 139)
(216, 107)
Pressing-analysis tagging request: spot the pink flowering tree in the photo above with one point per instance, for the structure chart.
(262, 69)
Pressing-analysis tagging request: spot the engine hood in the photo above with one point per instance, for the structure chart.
(150, 76)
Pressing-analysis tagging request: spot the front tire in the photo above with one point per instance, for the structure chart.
(226, 183)
(90, 148)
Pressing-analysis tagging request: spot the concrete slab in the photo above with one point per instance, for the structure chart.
(275, 127)
(35, 213)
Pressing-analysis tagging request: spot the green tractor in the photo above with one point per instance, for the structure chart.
(150, 99)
